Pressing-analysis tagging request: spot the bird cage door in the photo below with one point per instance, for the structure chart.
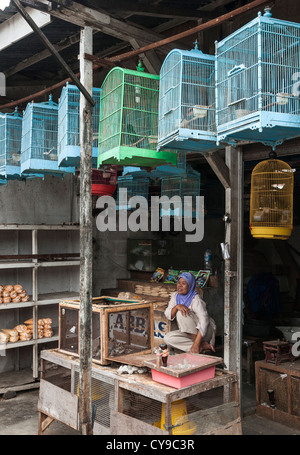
(271, 201)
(10, 145)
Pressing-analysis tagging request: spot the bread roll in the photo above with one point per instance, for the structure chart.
(25, 299)
(6, 293)
(8, 288)
(13, 294)
(47, 321)
(18, 288)
(20, 328)
(16, 300)
(14, 339)
(1, 288)
(10, 332)
(25, 336)
(4, 337)
(48, 333)
(29, 321)
(22, 294)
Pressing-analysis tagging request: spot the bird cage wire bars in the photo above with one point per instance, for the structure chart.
(136, 182)
(10, 145)
(257, 82)
(69, 126)
(128, 125)
(39, 139)
(187, 101)
(271, 201)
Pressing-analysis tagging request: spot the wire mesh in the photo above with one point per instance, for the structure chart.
(197, 414)
(69, 120)
(187, 96)
(271, 201)
(129, 331)
(258, 71)
(102, 396)
(10, 144)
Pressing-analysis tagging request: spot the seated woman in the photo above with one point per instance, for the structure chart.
(196, 329)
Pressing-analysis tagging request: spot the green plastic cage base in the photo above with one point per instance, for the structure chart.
(132, 156)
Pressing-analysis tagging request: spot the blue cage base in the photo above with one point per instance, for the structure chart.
(269, 128)
(38, 166)
(70, 156)
(10, 172)
(191, 141)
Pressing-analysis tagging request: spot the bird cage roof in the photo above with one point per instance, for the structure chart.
(12, 115)
(125, 71)
(265, 18)
(50, 104)
(272, 165)
(194, 53)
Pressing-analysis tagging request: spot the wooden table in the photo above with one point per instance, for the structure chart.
(133, 404)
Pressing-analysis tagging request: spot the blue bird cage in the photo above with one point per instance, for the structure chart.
(69, 126)
(187, 102)
(128, 125)
(185, 183)
(39, 139)
(257, 82)
(10, 145)
(136, 182)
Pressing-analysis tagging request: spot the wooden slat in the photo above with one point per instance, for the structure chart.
(125, 425)
(58, 404)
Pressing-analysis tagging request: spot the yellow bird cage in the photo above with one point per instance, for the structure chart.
(271, 201)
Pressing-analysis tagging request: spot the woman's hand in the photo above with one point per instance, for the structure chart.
(184, 310)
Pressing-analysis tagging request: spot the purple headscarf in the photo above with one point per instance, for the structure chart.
(188, 297)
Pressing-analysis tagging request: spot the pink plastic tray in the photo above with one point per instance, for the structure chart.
(198, 368)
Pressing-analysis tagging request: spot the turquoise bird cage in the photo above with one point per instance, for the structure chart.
(257, 82)
(69, 126)
(128, 126)
(136, 183)
(40, 140)
(181, 180)
(187, 102)
(10, 145)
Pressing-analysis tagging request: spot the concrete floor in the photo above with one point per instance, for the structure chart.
(19, 416)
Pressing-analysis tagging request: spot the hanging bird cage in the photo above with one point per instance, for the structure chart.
(183, 184)
(39, 139)
(128, 124)
(69, 126)
(271, 202)
(104, 180)
(187, 101)
(257, 82)
(10, 145)
(136, 183)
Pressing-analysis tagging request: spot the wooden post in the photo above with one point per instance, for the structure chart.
(233, 265)
(86, 256)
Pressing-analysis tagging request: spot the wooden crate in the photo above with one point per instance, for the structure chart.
(284, 380)
(119, 329)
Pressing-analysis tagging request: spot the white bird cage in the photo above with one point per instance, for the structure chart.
(40, 139)
(187, 102)
(258, 82)
(69, 126)
(10, 145)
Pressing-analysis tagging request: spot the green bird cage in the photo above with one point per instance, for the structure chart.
(128, 124)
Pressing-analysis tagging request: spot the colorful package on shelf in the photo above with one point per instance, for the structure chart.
(202, 278)
(172, 276)
(157, 275)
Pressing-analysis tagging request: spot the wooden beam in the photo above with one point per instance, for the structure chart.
(52, 49)
(233, 264)
(86, 248)
(219, 167)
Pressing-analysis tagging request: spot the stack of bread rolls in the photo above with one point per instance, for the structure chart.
(13, 294)
(24, 332)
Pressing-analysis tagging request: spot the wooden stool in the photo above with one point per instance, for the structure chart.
(278, 351)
